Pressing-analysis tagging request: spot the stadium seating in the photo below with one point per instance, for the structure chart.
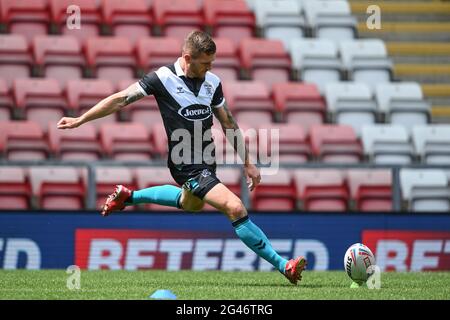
(316, 61)
(90, 19)
(366, 61)
(155, 52)
(351, 103)
(403, 103)
(130, 19)
(371, 190)
(159, 139)
(39, 100)
(58, 57)
(15, 58)
(387, 144)
(275, 193)
(330, 19)
(280, 20)
(126, 141)
(227, 62)
(22, 140)
(111, 58)
(321, 190)
(176, 18)
(265, 60)
(432, 143)
(425, 190)
(229, 19)
(85, 93)
(291, 145)
(57, 188)
(107, 177)
(15, 189)
(6, 102)
(75, 145)
(335, 144)
(26, 17)
(299, 103)
(250, 98)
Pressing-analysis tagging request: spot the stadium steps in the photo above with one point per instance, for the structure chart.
(439, 95)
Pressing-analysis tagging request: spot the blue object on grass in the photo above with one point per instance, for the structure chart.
(163, 294)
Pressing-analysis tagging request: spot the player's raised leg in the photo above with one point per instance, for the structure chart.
(221, 198)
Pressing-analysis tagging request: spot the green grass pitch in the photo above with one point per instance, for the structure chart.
(218, 285)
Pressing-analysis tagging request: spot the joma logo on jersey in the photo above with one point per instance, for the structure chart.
(195, 112)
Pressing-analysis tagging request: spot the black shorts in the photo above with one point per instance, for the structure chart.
(198, 179)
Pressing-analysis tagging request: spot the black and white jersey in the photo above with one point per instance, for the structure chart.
(185, 104)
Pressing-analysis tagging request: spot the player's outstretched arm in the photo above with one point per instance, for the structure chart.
(109, 105)
(228, 122)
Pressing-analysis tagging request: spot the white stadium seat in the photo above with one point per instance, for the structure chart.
(425, 190)
(330, 19)
(432, 143)
(403, 103)
(316, 61)
(366, 60)
(351, 103)
(387, 144)
(280, 20)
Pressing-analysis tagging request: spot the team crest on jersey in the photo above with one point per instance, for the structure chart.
(208, 89)
(195, 112)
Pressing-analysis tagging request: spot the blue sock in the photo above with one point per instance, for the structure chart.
(166, 195)
(256, 240)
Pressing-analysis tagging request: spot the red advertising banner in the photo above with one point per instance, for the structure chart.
(399, 250)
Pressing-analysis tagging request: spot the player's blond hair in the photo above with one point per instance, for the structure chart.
(198, 42)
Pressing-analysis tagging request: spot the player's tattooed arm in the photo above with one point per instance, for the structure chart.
(110, 104)
(132, 94)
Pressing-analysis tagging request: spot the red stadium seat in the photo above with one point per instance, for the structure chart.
(6, 102)
(299, 103)
(81, 144)
(249, 97)
(275, 192)
(131, 19)
(335, 144)
(58, 57)
(58, 188)
(144, 111)
(227, 63)
(111, 58)
(176, 18)
(86, 93)
(15, 189)
(126, 141)
(154, 176)
(26, 17)
(321, 190)
(15, 58)
(40, 100)
(265, 60)
(371, 189)
(22, 140)
(90, 18)
(107, 178)
(292, 145)
(230, 19)
(154, 53)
